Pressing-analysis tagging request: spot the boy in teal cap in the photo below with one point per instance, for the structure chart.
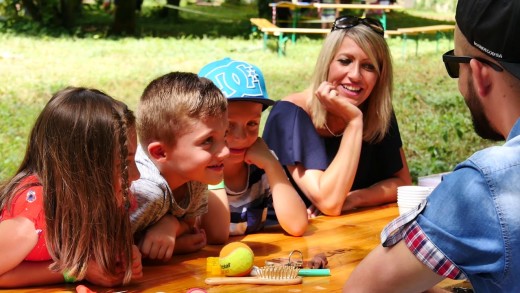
(253, 177)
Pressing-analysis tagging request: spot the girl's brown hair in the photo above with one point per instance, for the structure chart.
(76, 148)
(377, 109)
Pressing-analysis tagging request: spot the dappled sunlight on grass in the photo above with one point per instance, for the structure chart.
(434, 122)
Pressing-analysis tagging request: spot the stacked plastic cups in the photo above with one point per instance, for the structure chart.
(409, 197)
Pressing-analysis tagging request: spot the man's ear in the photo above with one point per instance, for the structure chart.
(157, 150)
(481, 75)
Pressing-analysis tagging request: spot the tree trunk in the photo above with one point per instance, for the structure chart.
(33, 11)
(171, 12)
(264, 11)
(70, 10)
(125, 19)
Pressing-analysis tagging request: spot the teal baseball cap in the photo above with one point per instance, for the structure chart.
(238, 81)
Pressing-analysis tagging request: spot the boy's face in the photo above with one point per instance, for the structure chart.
(198, 154)
(244, 122)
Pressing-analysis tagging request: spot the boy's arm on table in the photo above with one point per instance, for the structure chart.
(159, 239)
(190, 242)
(289, 207)
(216, 221)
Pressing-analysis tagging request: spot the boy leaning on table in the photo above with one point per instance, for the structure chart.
(182, 125)
(254, 179)
(469, 228)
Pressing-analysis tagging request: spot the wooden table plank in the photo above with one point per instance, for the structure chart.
(346, 240)
(425, 29)
(359, 6)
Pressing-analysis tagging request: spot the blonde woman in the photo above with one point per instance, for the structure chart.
(339, 140)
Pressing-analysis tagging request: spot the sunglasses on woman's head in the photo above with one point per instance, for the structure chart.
(346, 22)
(452, 63)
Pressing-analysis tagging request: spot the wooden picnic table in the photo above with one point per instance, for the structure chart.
(297, 6)
(416, 32)
(294, 6)
(345, 240)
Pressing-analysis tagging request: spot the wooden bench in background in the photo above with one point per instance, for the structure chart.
(268, 28)
(417, 32)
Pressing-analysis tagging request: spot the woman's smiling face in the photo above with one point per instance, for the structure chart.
(353, 72)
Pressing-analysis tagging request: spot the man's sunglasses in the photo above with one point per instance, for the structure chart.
(346, 22)
(452, 63)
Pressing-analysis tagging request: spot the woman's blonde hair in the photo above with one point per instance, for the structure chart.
(76, 147)
(377, 109)
(172, 102)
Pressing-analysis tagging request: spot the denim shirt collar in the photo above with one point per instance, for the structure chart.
(515, 131)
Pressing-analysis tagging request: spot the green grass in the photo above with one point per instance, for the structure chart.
(434, 122)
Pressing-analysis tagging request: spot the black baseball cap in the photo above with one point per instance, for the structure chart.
(493, 27)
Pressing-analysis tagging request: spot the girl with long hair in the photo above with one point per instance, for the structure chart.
(64, 215)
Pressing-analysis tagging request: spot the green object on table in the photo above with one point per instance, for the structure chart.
(314, 272)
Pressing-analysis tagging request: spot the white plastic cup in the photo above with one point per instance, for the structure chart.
(410, 196)
(431, 180)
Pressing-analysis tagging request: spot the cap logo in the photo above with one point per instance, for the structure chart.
(487, 51)
(241, 78)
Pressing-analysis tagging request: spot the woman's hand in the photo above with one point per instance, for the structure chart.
(338, 105)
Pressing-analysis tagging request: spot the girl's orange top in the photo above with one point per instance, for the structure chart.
(28, 203)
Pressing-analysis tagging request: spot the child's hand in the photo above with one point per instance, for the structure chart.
(259, 154)
(313, 212)
(83, 289)
(191, 242)
(137, 266)
(158, 242)
(96, 276)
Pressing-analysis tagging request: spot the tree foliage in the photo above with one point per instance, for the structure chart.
(43, 12)
(65, 13)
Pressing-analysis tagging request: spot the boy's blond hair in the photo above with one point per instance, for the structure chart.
(171, 103)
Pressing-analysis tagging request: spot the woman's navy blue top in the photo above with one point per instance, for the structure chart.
(289, 132)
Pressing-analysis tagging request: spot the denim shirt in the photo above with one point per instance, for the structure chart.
(473, 217)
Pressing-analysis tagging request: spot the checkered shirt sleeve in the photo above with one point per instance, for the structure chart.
(406, 228)
(429, 254)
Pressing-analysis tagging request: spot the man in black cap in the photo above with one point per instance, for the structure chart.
(469, 227)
